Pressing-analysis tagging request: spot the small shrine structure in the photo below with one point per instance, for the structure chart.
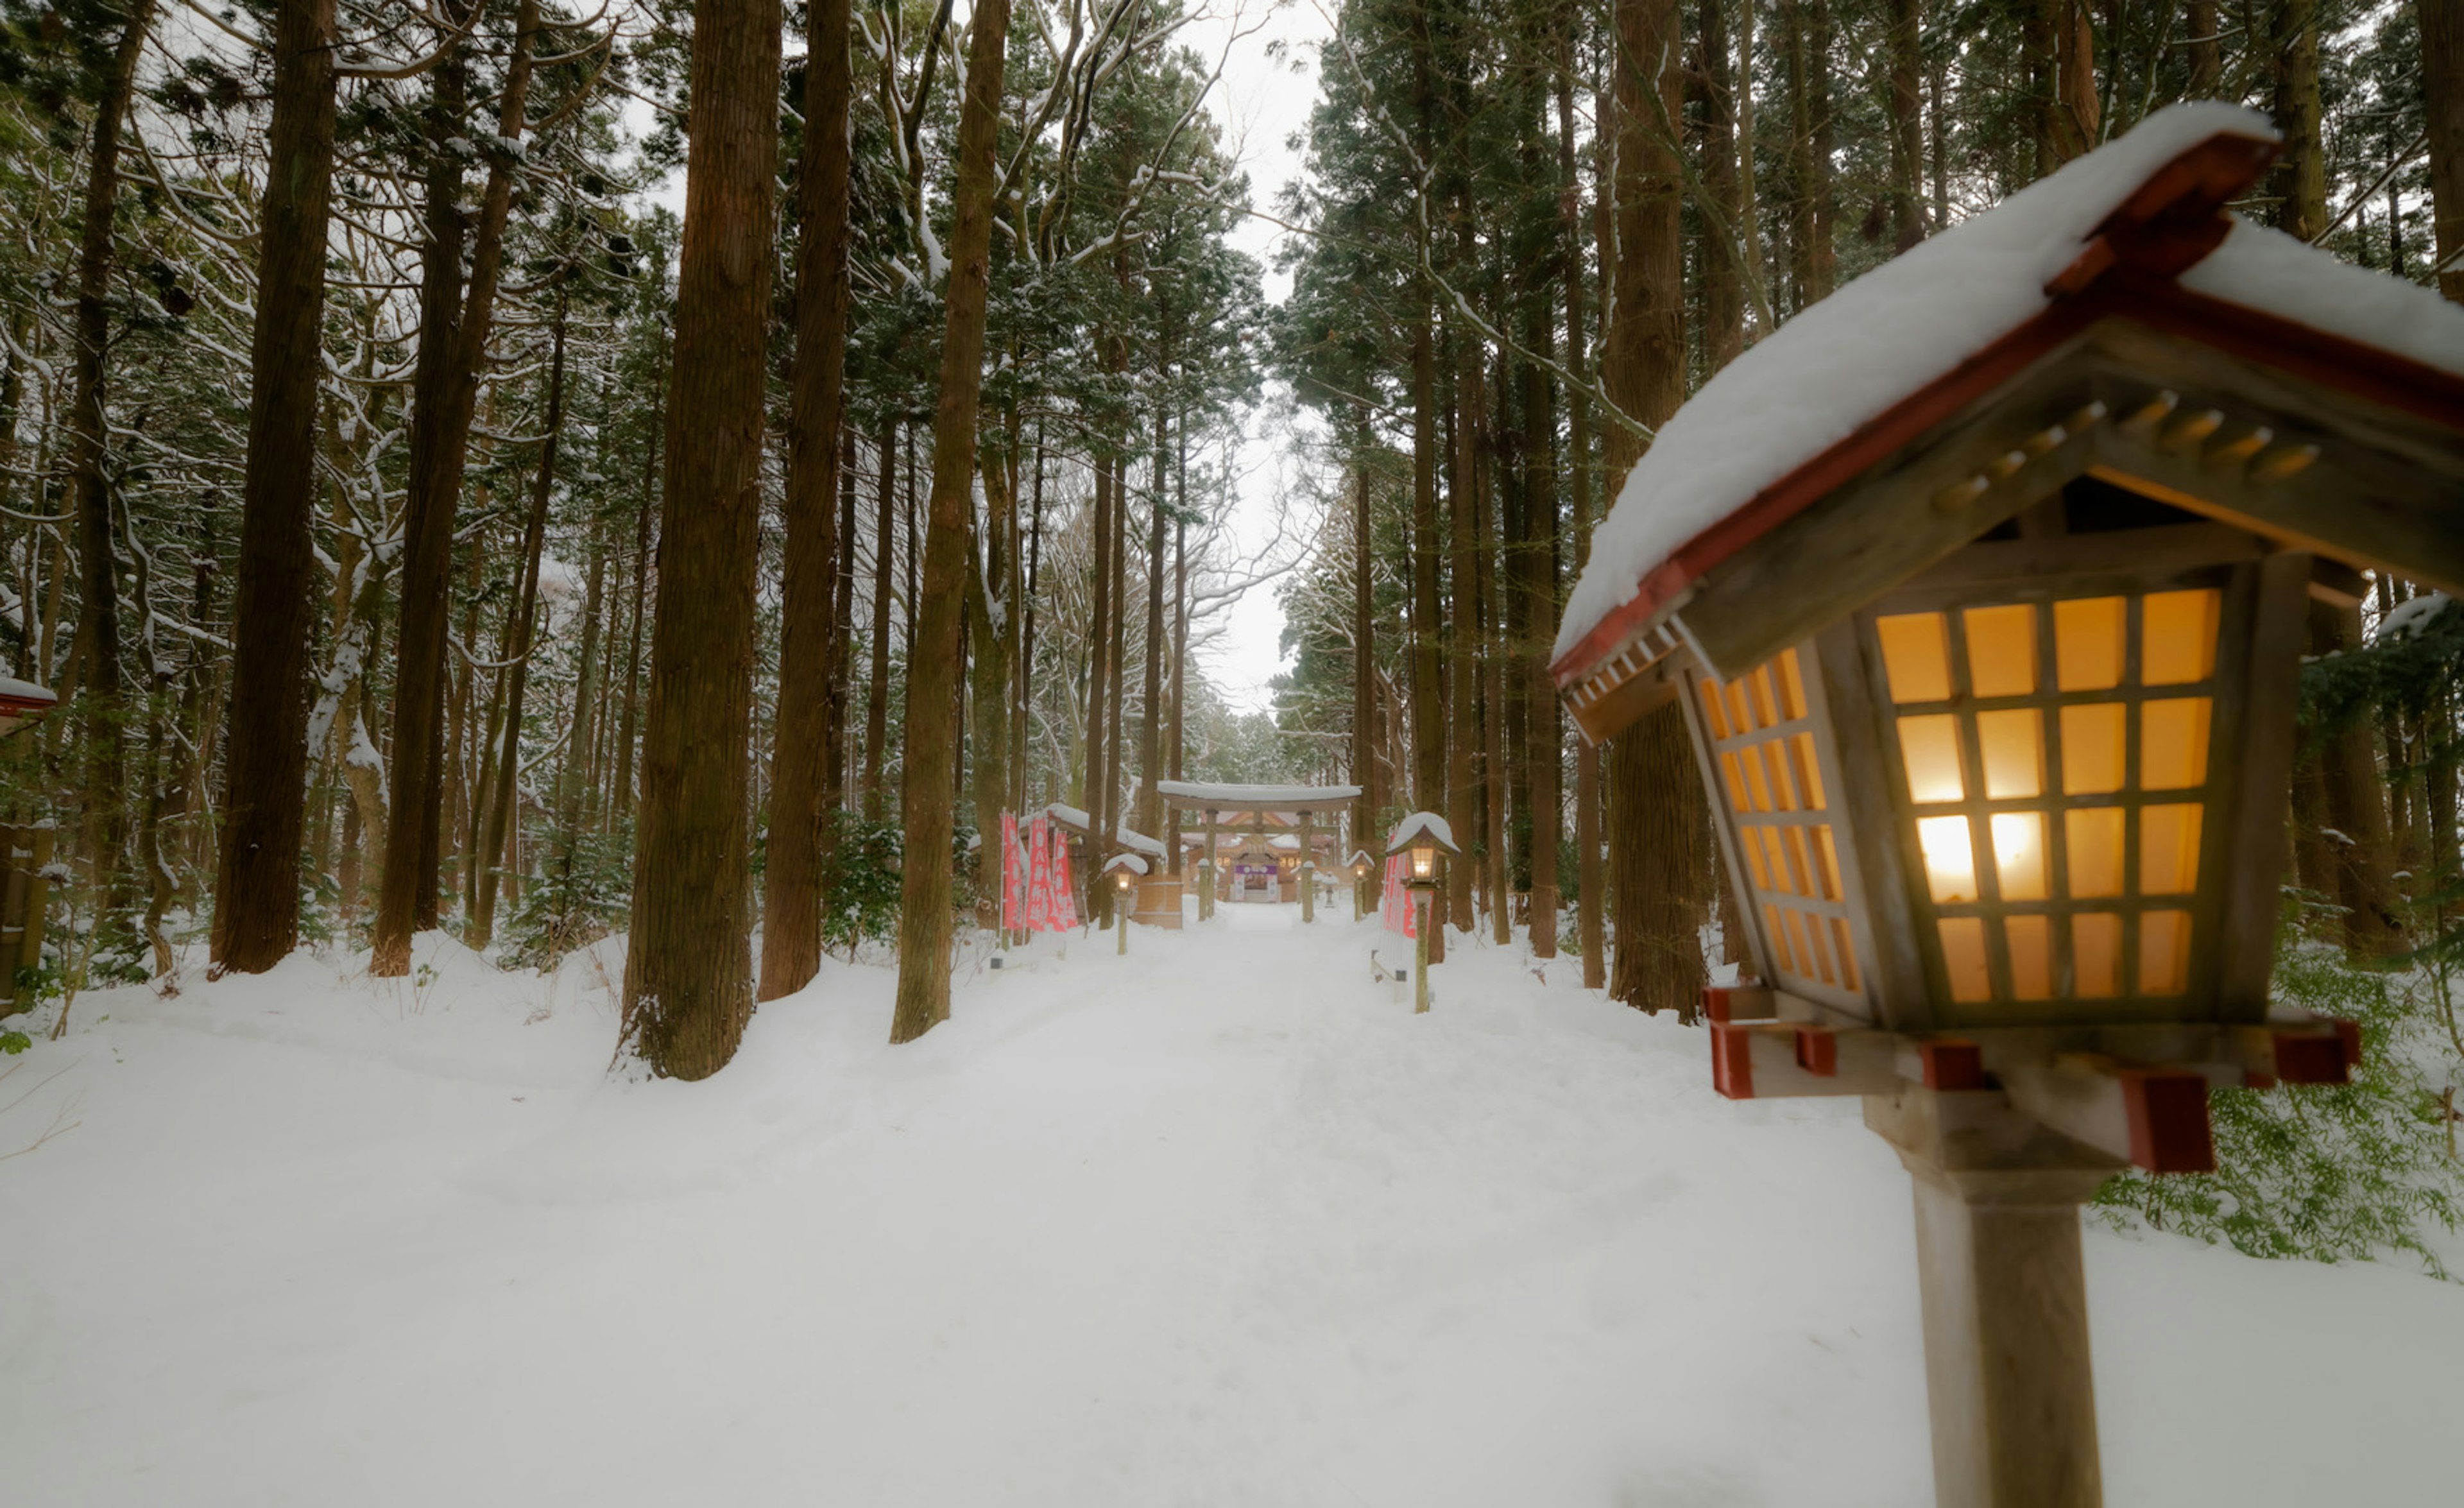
(1301, 808)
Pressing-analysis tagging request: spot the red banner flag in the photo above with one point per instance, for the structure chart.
(1064, 900)
(1039, 875)
(1398, 914)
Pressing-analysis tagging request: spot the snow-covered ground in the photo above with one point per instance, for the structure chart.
(1219, 1223)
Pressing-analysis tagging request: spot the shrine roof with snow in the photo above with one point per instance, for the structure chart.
(2134, 233)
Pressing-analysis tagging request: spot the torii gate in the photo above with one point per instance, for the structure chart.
(1254, 804)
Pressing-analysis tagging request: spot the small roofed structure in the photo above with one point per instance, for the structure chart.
(26, 868)
(1256, 805)
(1077, 821)
(1413, 828)
(23, 705)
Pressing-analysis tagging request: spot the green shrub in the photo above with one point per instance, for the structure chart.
(2327, 1174)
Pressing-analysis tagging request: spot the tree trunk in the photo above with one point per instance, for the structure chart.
(1656, 802)
(1907, 134)
(256, 895)
(502, 796)
(2301, 175)
(1150, 809)
(876, 695)
(622, 787)
(1364, 662)
(1543, 760)
(688, 985)
(98, 584)
(791, 918)
(1589, 897)
(2355, 802)
(1463, 653)
(1723, 273)
(2442, 98)
(2206, 53)
(923, 1000)
(453, 352)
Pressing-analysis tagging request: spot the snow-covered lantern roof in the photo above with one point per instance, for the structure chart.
(23, 705)
(1425, 835)
(1359, 863)
(1982, 586)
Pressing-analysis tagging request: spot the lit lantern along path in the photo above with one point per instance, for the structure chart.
(1988, 646)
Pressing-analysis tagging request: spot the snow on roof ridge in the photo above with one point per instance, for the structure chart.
(1130, 837)
(1418, 822)
(1845, 361)
(1264, 795)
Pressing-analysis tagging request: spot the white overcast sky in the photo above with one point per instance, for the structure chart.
(1260, 101)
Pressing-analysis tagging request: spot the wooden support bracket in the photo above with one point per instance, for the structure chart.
(2157, 1118)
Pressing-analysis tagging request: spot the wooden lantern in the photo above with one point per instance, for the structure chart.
(1990, 679)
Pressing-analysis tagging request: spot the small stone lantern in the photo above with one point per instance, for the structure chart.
(1423, 836)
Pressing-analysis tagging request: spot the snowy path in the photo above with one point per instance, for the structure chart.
(1214, 1224)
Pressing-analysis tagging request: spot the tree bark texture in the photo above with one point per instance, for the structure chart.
(2442, 98)
(452, 351)
(1656, 802)
(687, 985)
(98, 582)
(256, 895)
(923, 998)
(799, 799)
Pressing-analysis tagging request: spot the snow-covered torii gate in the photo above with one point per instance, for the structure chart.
(1254, 804)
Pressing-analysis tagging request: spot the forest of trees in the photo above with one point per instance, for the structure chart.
(422, 527)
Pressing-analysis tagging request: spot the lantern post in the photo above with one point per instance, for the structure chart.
(1423, 836)
(1124, 869)
(1359, 868)
(1993, 699)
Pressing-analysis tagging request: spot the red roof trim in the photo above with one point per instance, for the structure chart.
(1931, 404)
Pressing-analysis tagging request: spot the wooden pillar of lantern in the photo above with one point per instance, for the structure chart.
(1993, 698)
(1308, 871)
(1206, 872)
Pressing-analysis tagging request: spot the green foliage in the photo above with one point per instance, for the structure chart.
(2324, 1174)
(13, 1043)
(860, 887)
(586, 892)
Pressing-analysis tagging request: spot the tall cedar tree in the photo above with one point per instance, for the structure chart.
(932, 660)
(256, 895)
(688, 974)
(454, 326)
(1657, 828)
(800, 798)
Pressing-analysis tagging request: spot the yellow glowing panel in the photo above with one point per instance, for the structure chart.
(1714, 714)
(1808, 772)
(2169, 850)
(1740, 719)
(2177, 636)
(1800, 864)
(2163, 952)
(2173, 743)
(1830, 854)
(2013, 743)
(2096, 955)
(1949, 858)
(1807, 964)
(2088, 642)
(1916, 655)
(1766, 710)
(1821, 946)
(2001, 651)
(1757, 784)
(1792, 686)
(1847, 952)
(1778, 939)
(1963, 958)
(2020, 854)
(2030, 941)
(2093, 838)
(1774, 754)
(1778, 854)
(2092, 748)
(1754, 857)
(1736, 782)
(1931, 747)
